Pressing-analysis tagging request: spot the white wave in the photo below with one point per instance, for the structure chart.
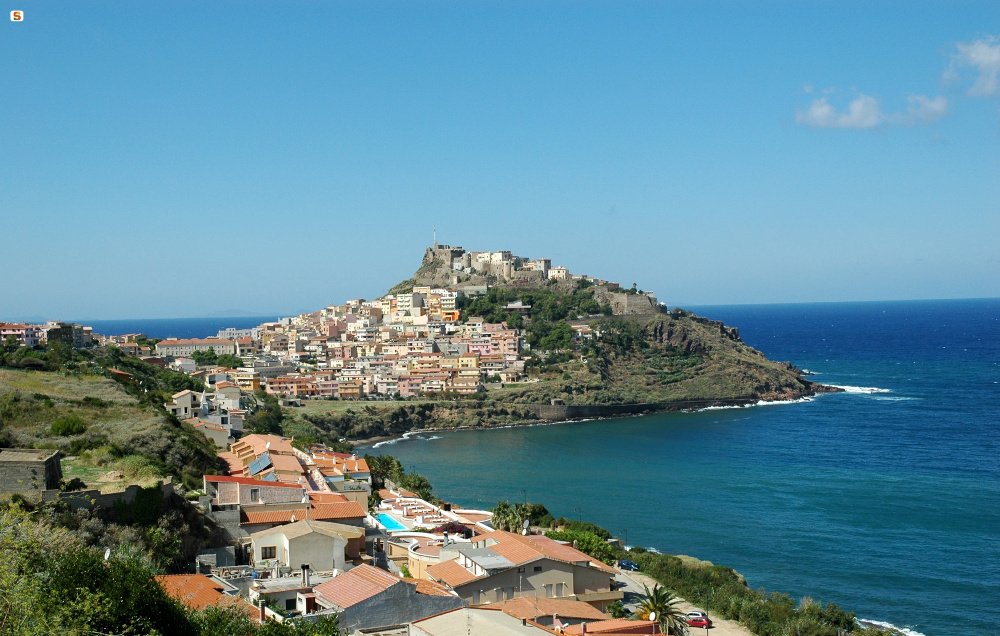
(432, 437)
(884, 625)
(860, 389)
(388, 442)
(807, 398)
(894, 399)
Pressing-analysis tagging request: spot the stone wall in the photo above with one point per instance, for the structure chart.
(29, 471)
(91, 499)
(627, 304)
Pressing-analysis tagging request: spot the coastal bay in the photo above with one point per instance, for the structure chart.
(879, 498)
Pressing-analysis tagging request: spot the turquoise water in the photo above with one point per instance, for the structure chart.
(390, 523)
(887, 503)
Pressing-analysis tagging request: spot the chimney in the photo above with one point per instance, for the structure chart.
(584, 626)
(305, 575)
(263, 611)
(445, 539)
(574, 544)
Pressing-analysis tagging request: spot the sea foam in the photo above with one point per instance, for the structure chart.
(387, 442)
(860, 389)
(889, 626)
(807, 398)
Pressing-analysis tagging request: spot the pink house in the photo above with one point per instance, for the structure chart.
(27, 335)
(481, 348)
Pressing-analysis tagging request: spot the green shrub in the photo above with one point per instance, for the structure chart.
(69, 425)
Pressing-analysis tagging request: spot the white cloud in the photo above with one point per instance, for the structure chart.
(807, 87)
(982, 55)
(862, 112)
(923, 110)
(865, 112)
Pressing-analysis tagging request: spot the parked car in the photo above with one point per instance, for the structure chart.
(628, 565)
(698, 619)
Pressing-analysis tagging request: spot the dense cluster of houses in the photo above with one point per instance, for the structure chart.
(32, 335)
(398, 345)
(308, 538)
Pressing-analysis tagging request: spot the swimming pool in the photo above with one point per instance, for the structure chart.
(390, 523)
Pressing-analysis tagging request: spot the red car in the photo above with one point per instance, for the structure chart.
(698, 619)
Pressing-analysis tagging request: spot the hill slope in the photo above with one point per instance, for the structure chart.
(635, 352)
(106, 427)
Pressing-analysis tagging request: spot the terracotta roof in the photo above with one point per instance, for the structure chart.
(288, 463)
(359, 584)
(258, 444)
(386, 495)
(197, 591)
(430, 588)
(619, 625)
(235, 466)
(521, 549)
(249, 481)
(525, 607)
(209, 425)
(196, 341)
(304, 527)
(450, 573)
(326, 497)
(318, 512)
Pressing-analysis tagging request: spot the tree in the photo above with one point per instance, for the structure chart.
(11, 343)
(664, 604)
(503, 515)
(588, 543)
(229, 361)
(510, 517)
(267, 418)
(205, 357)
(617, 610)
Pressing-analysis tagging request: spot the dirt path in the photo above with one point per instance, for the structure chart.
(720, 626)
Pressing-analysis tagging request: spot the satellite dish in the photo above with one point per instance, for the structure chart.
(267, 446)
(524, 532)
(525, 524)
(107, 554)
(652, 616)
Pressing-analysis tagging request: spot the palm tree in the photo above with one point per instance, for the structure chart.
(503, 515)
(671, 618)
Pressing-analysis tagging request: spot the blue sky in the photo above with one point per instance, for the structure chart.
(182, 159)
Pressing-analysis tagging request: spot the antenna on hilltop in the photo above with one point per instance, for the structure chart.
(435, 237)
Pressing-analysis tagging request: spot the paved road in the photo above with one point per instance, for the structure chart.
(633, 582)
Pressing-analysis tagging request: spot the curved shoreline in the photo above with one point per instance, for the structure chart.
(624, 410)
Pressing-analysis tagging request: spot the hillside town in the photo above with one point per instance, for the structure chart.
(307, 532)
(400, 345)
(303, 530)
(310, 537)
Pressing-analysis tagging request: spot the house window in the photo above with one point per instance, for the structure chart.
(255, 494)
(520, 570)
(269, 552)
(289, 603)
(538, 568)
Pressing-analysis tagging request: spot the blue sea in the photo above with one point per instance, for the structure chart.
(175, 327)
(884, 499)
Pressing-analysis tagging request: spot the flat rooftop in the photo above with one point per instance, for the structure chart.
(25, 454)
